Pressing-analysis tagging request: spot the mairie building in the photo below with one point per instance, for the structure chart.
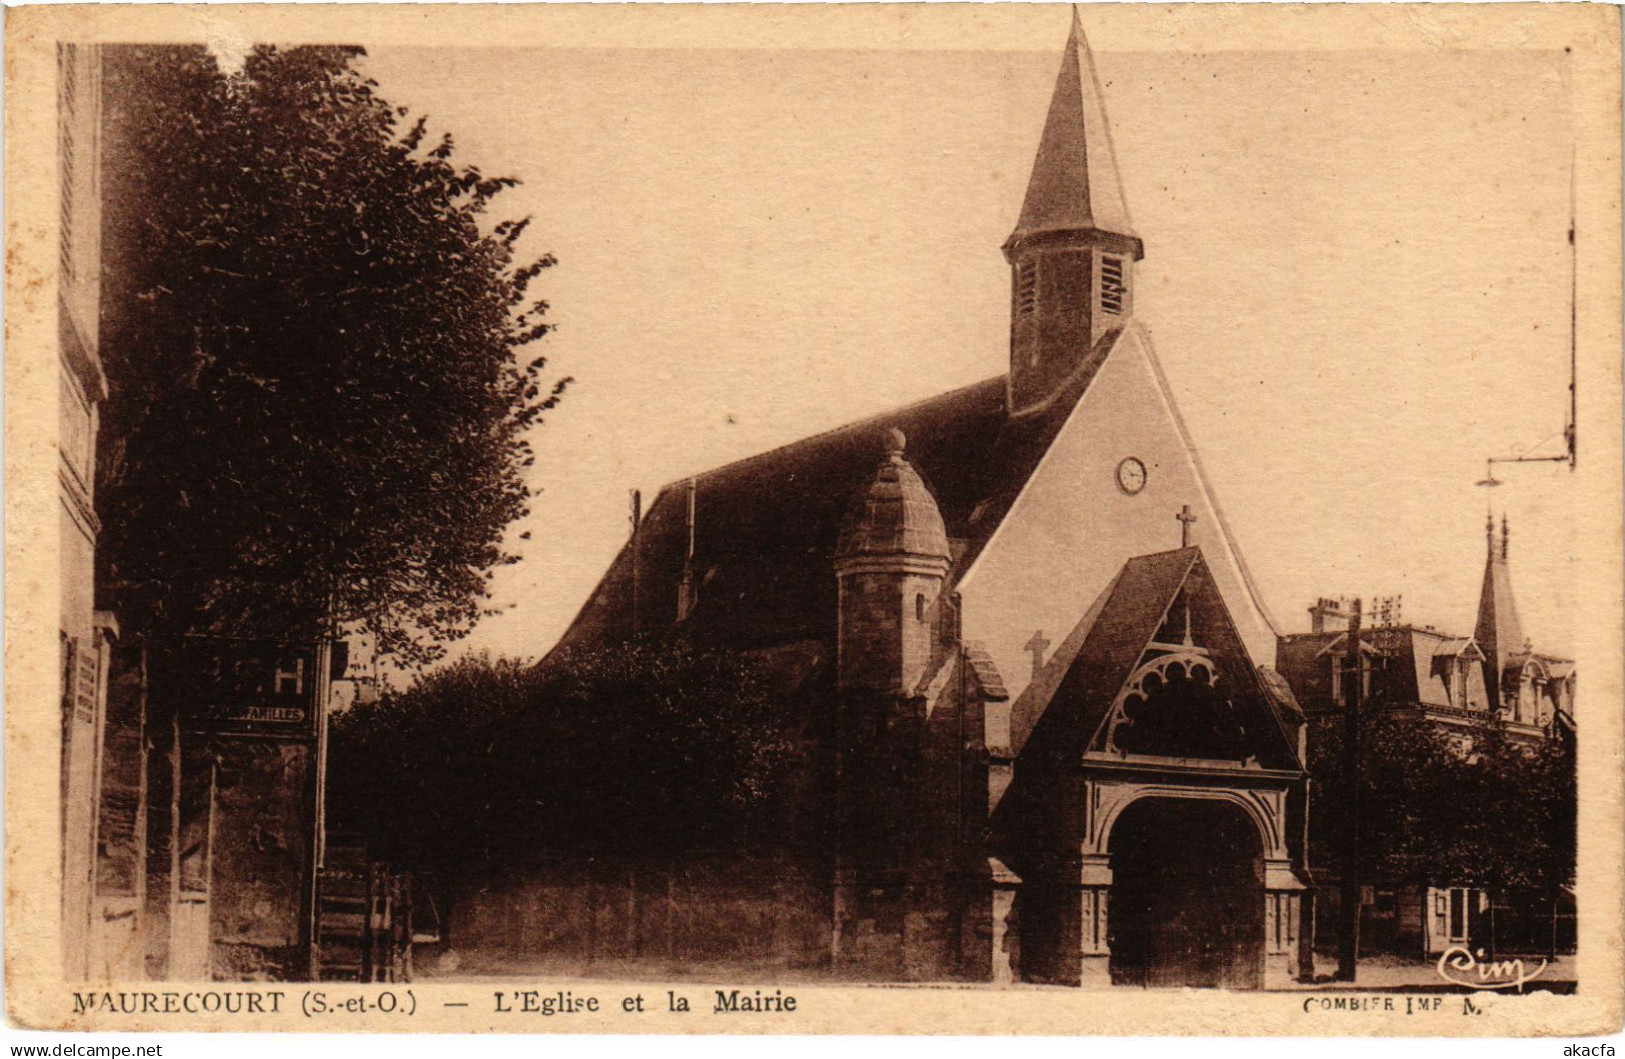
(1457, 684)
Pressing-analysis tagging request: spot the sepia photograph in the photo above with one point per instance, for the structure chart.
(996, 506)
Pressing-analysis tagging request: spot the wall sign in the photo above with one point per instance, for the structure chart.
(254, 688)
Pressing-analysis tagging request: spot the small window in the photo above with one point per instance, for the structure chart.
(919, 607)
(1112, 288)
(1026, 288)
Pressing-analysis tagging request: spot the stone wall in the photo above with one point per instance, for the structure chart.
(715, 915)
(261, 860)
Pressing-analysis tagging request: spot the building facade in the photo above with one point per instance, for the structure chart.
(102, 752)
(189, 768)
(1457, 684)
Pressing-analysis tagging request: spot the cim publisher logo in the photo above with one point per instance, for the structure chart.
(1458, 966)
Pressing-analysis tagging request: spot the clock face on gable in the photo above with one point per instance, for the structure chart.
(1131, 475)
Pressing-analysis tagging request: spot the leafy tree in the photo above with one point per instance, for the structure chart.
(1466, 805)
(636, 750)
(321, 356)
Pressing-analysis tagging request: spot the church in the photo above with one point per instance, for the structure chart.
(1054, 751)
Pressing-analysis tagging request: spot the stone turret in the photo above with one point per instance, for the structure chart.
(891, 562)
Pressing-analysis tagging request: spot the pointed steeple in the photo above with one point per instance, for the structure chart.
(1073, 251)
(1075, 185)
(1499, 633)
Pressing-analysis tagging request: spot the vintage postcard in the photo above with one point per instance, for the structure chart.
(814, 519)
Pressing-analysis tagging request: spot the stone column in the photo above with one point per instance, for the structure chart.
(1094, 900)
(121, 877)
(162, 836)
(1283, 892)
(1006, 929)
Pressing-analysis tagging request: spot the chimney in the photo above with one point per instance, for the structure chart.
(1328, 615)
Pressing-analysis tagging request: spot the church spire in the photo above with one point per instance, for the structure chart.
(1073, 251)
(1075, 185)
(1499, 633)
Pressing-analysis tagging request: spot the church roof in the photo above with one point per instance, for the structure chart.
(1280, 691)
(1075, 183)
(766, 529)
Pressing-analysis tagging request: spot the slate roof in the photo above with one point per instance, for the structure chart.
(1075, 185)
(1429, 659)
(1454, 646)
(1499, 632)
(1127, 623)
(1558, 668)
(1281, 692)
(1302, 659)
(1420, 664)
(766, 528)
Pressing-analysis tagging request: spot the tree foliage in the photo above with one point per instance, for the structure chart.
(630, 750)
(320, 350)
(1468, 805)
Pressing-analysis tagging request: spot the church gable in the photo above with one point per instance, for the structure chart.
(1163, 674)
(1193, 692)
(1110, 486)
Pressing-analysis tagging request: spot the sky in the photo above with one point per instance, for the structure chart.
(1356, 276)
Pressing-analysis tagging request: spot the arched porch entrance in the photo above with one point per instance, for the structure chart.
(1187, 895)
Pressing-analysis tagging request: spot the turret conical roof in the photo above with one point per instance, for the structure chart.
(895, 516)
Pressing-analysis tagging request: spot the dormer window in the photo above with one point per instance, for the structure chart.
(1341, 672)
(1112, 288)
